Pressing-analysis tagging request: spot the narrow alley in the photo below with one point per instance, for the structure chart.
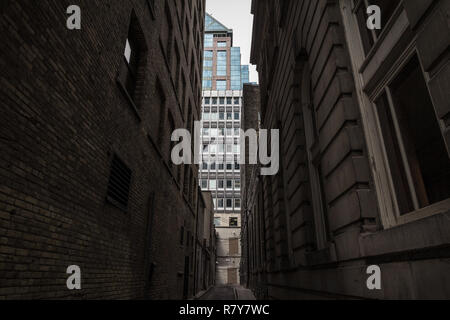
(224, 293)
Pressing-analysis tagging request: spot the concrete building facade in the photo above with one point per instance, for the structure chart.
(86, 177)
(223, 77)
(364, 151)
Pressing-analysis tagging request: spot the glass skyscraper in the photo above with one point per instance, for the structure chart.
(223, 79)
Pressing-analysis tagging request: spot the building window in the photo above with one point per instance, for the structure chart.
(314, 156)
(119, 184)
(207, 101)
(182, 236)
(187, 178)
(234, 222)
(236, 101)
(229, 203)
(204, 184)
(369, 37)
(221, 101)
(132, 71)
(229, 101)
(171, 144)
(221, 184)
(214, 101)
(222, 44)
(400, 122)
(237, 203)
(209, 41)
(221, 64)
(221, 85)
(237, 184)
(217, 222)
(151, 6)
(229, 184)
(417, 155)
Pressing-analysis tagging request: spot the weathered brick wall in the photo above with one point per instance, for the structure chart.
(63, 117)
(249, 120)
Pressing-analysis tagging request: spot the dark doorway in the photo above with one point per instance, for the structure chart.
(186, 279)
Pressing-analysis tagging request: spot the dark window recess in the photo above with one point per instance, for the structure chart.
(387, 8)
(366, 35)
(392, 146)
(284, 6)
(182, 236)
(132, 70)
(233, 222)
(425, 149)
(151, 6)
(119, 184)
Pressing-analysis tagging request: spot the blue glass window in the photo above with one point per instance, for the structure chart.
(221, 85)
(209, 43)
(222, 63)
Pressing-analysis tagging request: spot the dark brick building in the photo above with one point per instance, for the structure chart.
(364, 151)
(85, 171)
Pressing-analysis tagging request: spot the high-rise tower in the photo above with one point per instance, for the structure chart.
(223, 78)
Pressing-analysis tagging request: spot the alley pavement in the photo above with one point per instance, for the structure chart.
(228, 293)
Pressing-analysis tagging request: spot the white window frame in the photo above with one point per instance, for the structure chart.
(363, 69)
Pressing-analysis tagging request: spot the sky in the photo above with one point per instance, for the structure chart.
(235, 14)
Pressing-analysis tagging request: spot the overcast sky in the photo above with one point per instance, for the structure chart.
(235, 14)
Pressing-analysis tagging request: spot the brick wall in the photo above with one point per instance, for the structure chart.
(64, 116)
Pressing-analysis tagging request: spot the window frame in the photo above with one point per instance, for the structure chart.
(397, 25)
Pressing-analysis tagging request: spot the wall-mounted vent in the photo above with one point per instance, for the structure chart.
(119, 184)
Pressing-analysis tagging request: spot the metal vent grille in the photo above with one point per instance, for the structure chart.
(119, 184)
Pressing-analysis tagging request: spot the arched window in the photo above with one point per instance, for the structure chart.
(317, 180)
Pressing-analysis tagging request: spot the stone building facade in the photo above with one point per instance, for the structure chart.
(364, 151)
(86, 177)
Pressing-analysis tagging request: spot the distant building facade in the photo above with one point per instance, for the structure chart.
(364, 180)
(86, 177)
(205, 250)
(223, 77)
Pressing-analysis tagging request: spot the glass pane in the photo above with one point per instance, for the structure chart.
(425, 147)
(392, 146)
(366, 34)
(387, 10)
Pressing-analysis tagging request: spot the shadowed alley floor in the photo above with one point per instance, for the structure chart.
(228, 293)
